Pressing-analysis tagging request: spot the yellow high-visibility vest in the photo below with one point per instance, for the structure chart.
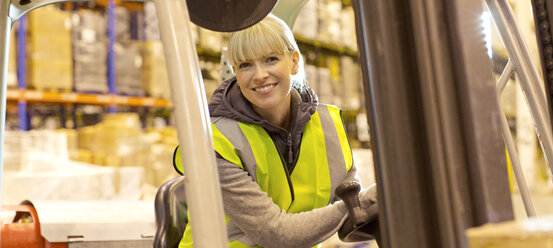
(325, 153)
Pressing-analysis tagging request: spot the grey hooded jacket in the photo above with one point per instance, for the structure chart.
(254, 218)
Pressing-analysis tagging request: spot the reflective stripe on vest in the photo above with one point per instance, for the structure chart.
(324, 159)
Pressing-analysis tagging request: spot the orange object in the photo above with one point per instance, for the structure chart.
(24, 230)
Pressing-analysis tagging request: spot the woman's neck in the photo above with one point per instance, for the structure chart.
(278, 116)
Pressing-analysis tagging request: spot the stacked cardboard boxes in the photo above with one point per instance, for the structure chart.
(12, 61)
(154, 71)
(49, 60)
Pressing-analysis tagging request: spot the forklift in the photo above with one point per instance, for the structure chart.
(432, 104)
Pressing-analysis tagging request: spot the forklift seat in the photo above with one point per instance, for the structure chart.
(171, 213)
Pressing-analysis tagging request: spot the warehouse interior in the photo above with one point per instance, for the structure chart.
(90, 122)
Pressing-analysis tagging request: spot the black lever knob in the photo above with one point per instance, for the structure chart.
(349, 192)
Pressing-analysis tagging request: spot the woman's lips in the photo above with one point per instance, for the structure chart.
(265, 88)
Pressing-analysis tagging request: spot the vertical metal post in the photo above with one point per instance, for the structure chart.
(439, 157)
(530, 80)
(111, 54)
(22, 72)
(193, 125)
(5, 27)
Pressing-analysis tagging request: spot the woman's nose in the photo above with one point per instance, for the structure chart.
(260, 73)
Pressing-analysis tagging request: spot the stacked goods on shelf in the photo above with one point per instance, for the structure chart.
(336, 78)
(38, 167)
(128, 68)
(12, 60)
(336, 83)
(128, 61)
(351, 83)
(49, 59)
(122, 23)
(89, 51)
(117, 141)
(329, 13)
(312, 77)
(327, 21)
(349, 38)
(159, 167)
(324, 85)
(150, 23)
(155, 80)
(15, 150)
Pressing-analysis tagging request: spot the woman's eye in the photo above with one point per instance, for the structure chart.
(272, 59)
(244, 65)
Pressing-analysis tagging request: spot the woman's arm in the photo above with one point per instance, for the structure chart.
(254, 213)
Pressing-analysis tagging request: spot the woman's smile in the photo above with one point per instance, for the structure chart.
(265, 89)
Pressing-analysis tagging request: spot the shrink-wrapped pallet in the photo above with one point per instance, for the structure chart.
(89, 51)
(150, 22)
(128, 68)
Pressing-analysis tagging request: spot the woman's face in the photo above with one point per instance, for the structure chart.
(265, 81)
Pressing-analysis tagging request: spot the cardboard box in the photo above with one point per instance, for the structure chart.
(49, 49)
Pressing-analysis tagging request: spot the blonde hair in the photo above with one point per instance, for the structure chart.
(269, 36)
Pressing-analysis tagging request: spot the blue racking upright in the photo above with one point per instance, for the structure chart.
(111, 54)
(22, 73)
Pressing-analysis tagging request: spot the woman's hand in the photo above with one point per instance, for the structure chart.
(367, 196)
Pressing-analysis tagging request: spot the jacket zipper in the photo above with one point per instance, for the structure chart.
(287, 172)
(289, 143)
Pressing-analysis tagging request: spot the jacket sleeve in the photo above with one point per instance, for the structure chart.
(263, 222)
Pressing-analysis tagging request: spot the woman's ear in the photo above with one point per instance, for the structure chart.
(296, 57)
(295, 62)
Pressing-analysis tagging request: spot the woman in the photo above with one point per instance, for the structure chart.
(280, 154)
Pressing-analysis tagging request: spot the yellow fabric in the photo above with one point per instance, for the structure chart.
(311, 176)
(186, 241)
(270, 173)
(220, 143)
(223, 146)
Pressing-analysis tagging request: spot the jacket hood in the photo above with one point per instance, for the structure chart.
(228, 101)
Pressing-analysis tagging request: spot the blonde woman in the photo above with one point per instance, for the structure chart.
(280, 154)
